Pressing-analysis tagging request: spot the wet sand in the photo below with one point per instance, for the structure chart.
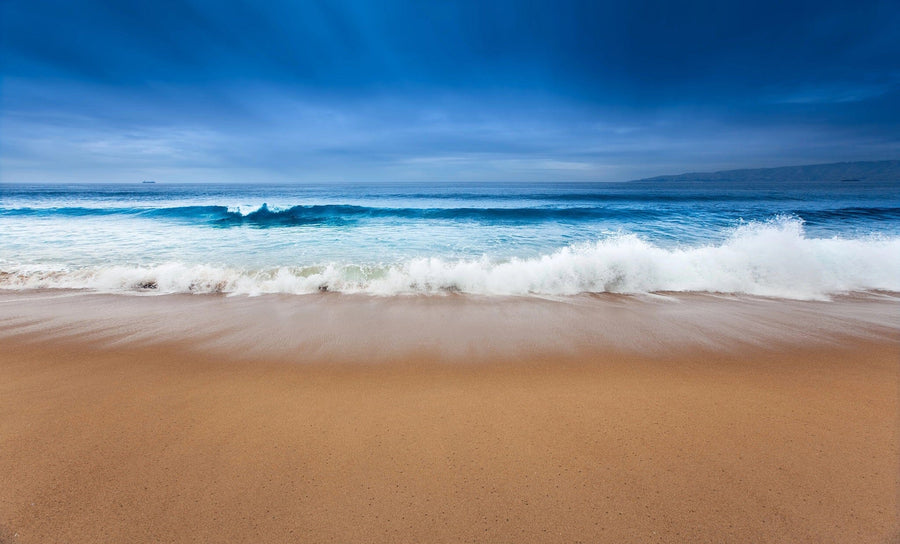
(691, 419)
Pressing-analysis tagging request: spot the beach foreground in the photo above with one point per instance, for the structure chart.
(448, 419)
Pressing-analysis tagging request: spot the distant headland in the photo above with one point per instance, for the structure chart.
(837, 171)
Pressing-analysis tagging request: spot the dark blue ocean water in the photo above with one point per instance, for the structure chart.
(786, 239)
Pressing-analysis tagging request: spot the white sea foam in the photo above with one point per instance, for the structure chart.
(769, 259)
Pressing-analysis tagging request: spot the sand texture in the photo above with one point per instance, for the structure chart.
(114, 429)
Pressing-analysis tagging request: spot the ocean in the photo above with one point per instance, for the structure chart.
(798, 240)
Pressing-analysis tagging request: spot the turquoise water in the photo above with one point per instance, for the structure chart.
(799, 240)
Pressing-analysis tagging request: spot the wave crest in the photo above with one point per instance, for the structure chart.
(340, 214)
(767, 259)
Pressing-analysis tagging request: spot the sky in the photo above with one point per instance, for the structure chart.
(322, 91)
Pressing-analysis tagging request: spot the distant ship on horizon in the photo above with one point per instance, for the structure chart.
(148, 181)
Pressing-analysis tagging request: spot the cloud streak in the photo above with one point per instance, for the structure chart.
(329, 91)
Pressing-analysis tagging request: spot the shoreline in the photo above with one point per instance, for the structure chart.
(332, 327)
(702, 418)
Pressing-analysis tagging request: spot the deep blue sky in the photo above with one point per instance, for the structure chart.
(191, 90)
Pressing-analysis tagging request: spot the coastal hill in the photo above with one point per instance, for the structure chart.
(837, 171)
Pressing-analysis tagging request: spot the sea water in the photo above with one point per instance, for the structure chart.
(801, 240)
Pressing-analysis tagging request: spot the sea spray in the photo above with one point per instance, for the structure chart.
(774, 258)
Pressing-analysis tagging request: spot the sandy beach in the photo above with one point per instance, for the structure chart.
(445, 272)
(448, 419)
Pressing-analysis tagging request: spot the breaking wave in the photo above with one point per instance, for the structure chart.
(768, 259)
(266, 217)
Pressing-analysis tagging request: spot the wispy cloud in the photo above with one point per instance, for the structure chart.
(280, 91)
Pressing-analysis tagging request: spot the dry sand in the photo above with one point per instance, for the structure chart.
(107, 436)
